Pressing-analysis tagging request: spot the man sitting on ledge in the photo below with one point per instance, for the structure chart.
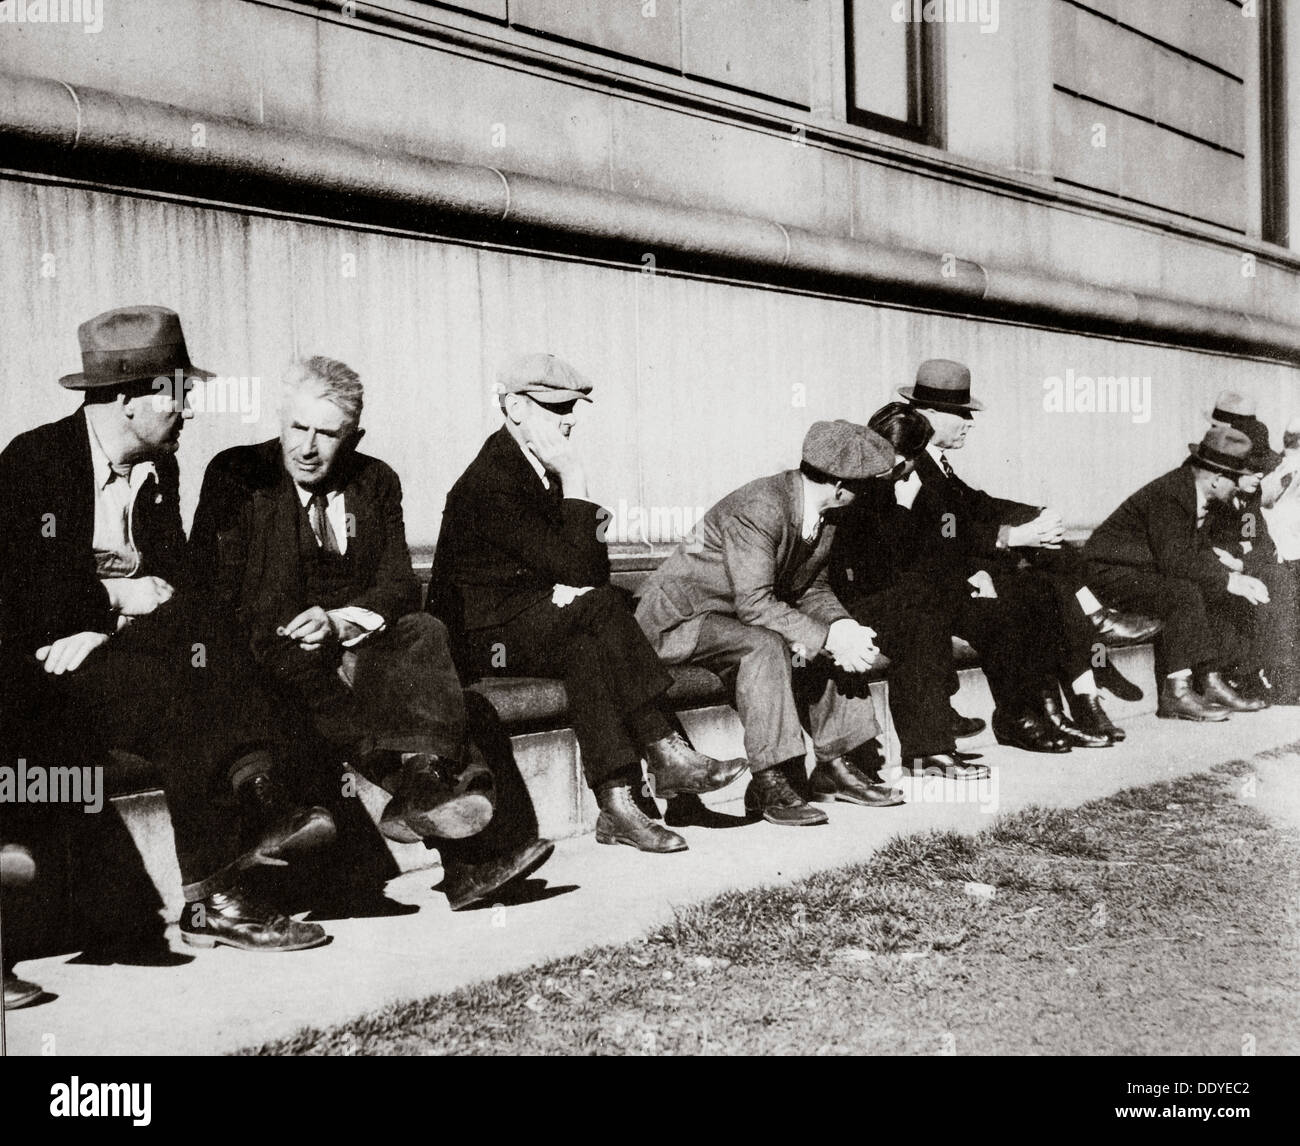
(522, 573)
(749, 598)
(305, 540)
(1154, 554)
(99, 624)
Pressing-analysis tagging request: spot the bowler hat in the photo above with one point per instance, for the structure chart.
(942, 384)
(1224, 450)
(544, 377)
(130, 344)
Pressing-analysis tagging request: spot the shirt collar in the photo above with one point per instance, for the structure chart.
(538, 468)
(936, 453)
(103, 468)
(305, 495)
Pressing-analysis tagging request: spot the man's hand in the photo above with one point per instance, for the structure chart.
(311, 629)
(1251, 588)
(137, 596)
(1226, 558)
(852, 646)
(557, 455)
(983, 583)
(67, 653)
(1046, 531)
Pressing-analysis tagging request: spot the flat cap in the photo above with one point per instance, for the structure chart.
(544, 377)
(847, 451)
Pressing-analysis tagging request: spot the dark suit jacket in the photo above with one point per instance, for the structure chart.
(49, 587)
(506, 541)
(245, 539)
(749, 561)
(957, 524)
(1155, 529)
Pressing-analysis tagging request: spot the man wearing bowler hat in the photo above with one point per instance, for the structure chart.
(749, 599)
(521, 576)
(989, 541)
(97, 623)
(1155, 554)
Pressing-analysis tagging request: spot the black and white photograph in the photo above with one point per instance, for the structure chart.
(655, 528)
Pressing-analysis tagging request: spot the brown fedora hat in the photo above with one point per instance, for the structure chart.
(942, 384)
(130, 344)
(1224, 450)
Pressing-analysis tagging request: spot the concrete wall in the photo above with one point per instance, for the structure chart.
(699, 380)
(700, 385)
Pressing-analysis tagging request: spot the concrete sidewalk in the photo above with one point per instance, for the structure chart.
(587, 894)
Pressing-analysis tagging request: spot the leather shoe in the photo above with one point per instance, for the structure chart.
(1028, 732)
(679, 768)
(20, 993)
(1179, 701)
(770, 795)
(622, 822)
(230, 917)
(1092, 718)
(838, 780)
(434, 797)
(465, 883)
(1216, 690)
(947, 764)
(16, 866)
(1066, 729)
(273, 827)
(1117, 625)
(964, 727)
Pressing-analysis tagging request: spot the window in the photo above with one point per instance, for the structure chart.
(894, 73)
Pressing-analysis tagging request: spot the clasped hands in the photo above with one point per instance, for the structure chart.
(852, 646)
(1046, 531)
(314, 628)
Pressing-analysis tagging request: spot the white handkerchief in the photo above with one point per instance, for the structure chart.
(563, 595)
(905, 491)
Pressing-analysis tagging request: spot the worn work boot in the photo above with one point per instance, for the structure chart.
(679, 768)
(1179, 701)
(622, 822)
(771, 795)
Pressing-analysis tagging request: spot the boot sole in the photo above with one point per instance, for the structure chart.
(610, 838)
(833, 797)
(1026, 748)
(1193, 718)
(207, 942)
(17, 1002)
(457, 819)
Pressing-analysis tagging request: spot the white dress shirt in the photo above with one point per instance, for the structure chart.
(116, 554)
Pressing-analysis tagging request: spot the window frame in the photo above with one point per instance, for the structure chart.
(925, 84)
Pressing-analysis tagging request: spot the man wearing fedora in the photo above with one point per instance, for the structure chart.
(1155, 554)
(1011, 552)
(1241, 533)
(97, 617)
(521, 577)
(750, 600)
(305, 542)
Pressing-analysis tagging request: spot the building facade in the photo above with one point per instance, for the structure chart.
(736, 216)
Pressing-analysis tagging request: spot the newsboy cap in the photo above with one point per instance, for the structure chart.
(544, 377)
(1224, 450)
(131, 344)
(847, 451)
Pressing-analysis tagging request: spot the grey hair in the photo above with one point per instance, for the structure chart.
(333, 379)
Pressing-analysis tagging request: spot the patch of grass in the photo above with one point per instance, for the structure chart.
(1158, 921)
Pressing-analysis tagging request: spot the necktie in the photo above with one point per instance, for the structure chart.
(320, 523)
(947, 469)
